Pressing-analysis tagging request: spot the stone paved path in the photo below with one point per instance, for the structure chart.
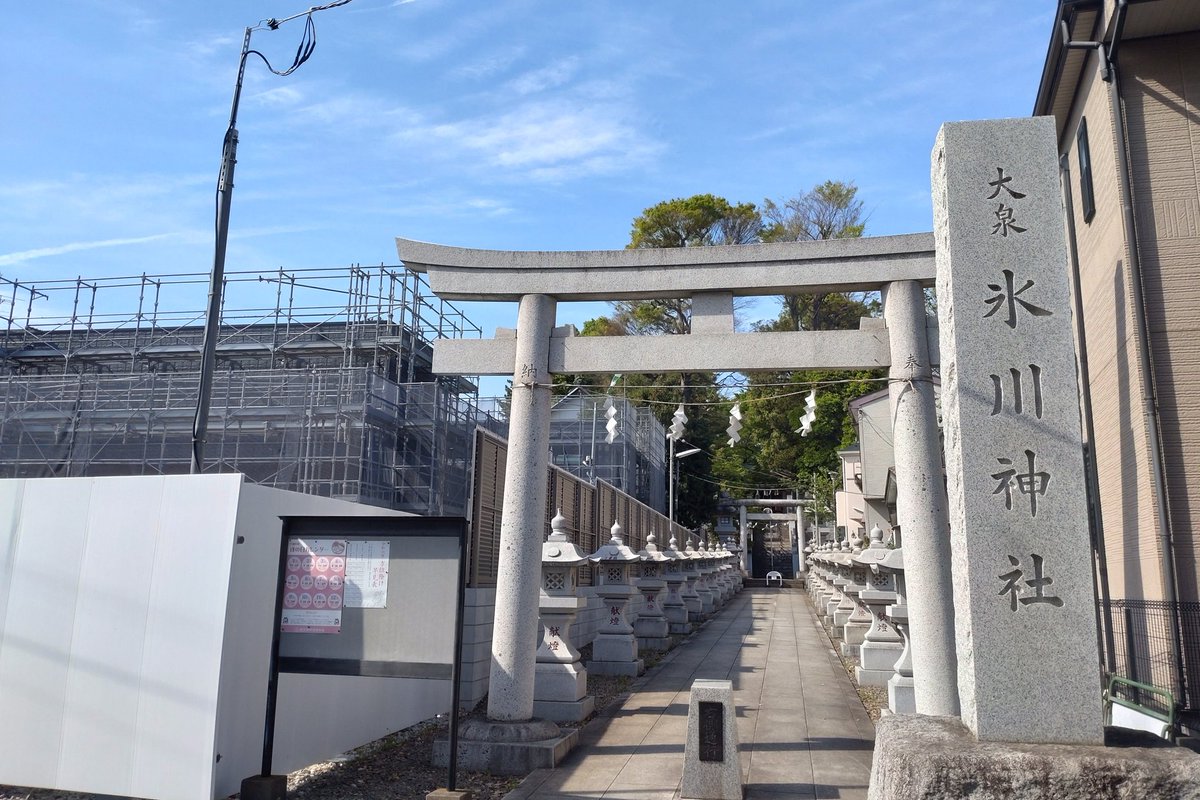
(803, 731)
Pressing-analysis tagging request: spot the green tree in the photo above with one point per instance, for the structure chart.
(699, 220)
(771, 451)
(830, 210)
(696, 221)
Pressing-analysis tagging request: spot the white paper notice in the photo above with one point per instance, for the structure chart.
(366, 574)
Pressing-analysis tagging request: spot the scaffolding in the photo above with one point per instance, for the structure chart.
(634, 463)
(324, 383)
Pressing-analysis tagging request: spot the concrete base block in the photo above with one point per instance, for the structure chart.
(850, 650)
(922, 758)
(650, 627)
(628, 668)
(265, 787)
(507, 748)
(614, 648)
(658, 644)
(559, 683)
(681, 628)
(880, 656)
(855, 632)
(565, 710)
(902, 697)
(873, 677)
(445, 794)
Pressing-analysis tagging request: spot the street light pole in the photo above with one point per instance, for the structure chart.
(212, 317)
(674, 475)
(671, 484)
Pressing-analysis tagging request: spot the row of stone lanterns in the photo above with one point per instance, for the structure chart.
(859, 591)
(679, 589)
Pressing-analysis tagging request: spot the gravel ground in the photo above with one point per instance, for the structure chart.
(397, 767)
(874, 698)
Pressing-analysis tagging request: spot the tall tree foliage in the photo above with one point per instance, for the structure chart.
(830, 210)
(696, 221)
(771, 452)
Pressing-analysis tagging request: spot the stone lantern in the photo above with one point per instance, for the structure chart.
(735, 570)
(854, 630)
(651, 627)
(673, 605)
(882, 646)
(717, 580)
(694, 592)
(560, 681)
(709, 568)
(725, 570)
(615, 650)
(845, 605)
(901, 694)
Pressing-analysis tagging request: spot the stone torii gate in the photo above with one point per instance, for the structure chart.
(898, 266)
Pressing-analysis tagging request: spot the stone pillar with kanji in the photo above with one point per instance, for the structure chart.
(615, 649)
(560, 680)
(1022, 562)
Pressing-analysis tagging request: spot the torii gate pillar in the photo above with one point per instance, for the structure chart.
(515, 635)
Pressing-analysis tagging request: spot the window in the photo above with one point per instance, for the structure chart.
(1085, 173)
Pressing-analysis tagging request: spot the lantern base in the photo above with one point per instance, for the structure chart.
(565, 710)
(630, 669)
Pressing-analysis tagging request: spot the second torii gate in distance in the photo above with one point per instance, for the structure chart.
(898, 266)
(744, 517)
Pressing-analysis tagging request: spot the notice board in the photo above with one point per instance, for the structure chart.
(371, 596)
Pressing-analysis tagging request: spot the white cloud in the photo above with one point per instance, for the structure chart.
(279, 97)
(7, 259)
(550, 141)
(548, 77)
(493, 64)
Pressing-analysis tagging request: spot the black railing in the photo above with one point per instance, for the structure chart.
(1143, 636)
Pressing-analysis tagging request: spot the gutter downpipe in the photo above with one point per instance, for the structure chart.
(1149, 395)
(1096, 521)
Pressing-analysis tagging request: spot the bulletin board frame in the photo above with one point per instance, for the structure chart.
(451, 531)
(399, 640)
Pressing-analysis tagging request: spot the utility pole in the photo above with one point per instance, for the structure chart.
(212, 318)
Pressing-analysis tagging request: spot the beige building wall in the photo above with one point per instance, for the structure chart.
(1121, 447)
(1158, 75)
(1160, 86)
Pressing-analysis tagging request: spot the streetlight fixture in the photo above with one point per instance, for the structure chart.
(673, 474)
(212, 319)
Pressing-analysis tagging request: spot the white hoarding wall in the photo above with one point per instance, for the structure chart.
(135, 629)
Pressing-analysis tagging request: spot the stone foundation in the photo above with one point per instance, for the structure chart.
(936, 758)
(507, 748)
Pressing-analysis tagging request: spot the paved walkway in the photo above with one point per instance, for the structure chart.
(803, 731)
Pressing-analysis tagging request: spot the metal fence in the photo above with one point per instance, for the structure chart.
(1143, 633)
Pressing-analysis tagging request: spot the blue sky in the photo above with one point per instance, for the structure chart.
(510, 124)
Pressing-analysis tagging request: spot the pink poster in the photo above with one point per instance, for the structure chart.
(314, 582)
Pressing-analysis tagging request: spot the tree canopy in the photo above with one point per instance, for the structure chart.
(771, 453)
(699, 220)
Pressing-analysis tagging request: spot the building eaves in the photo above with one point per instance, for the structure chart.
(1064, 66)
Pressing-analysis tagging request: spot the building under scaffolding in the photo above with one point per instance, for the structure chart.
(635, 462)
(323, 383)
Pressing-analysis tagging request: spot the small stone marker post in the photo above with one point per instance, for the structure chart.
(711, 769)
(1022, 564)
